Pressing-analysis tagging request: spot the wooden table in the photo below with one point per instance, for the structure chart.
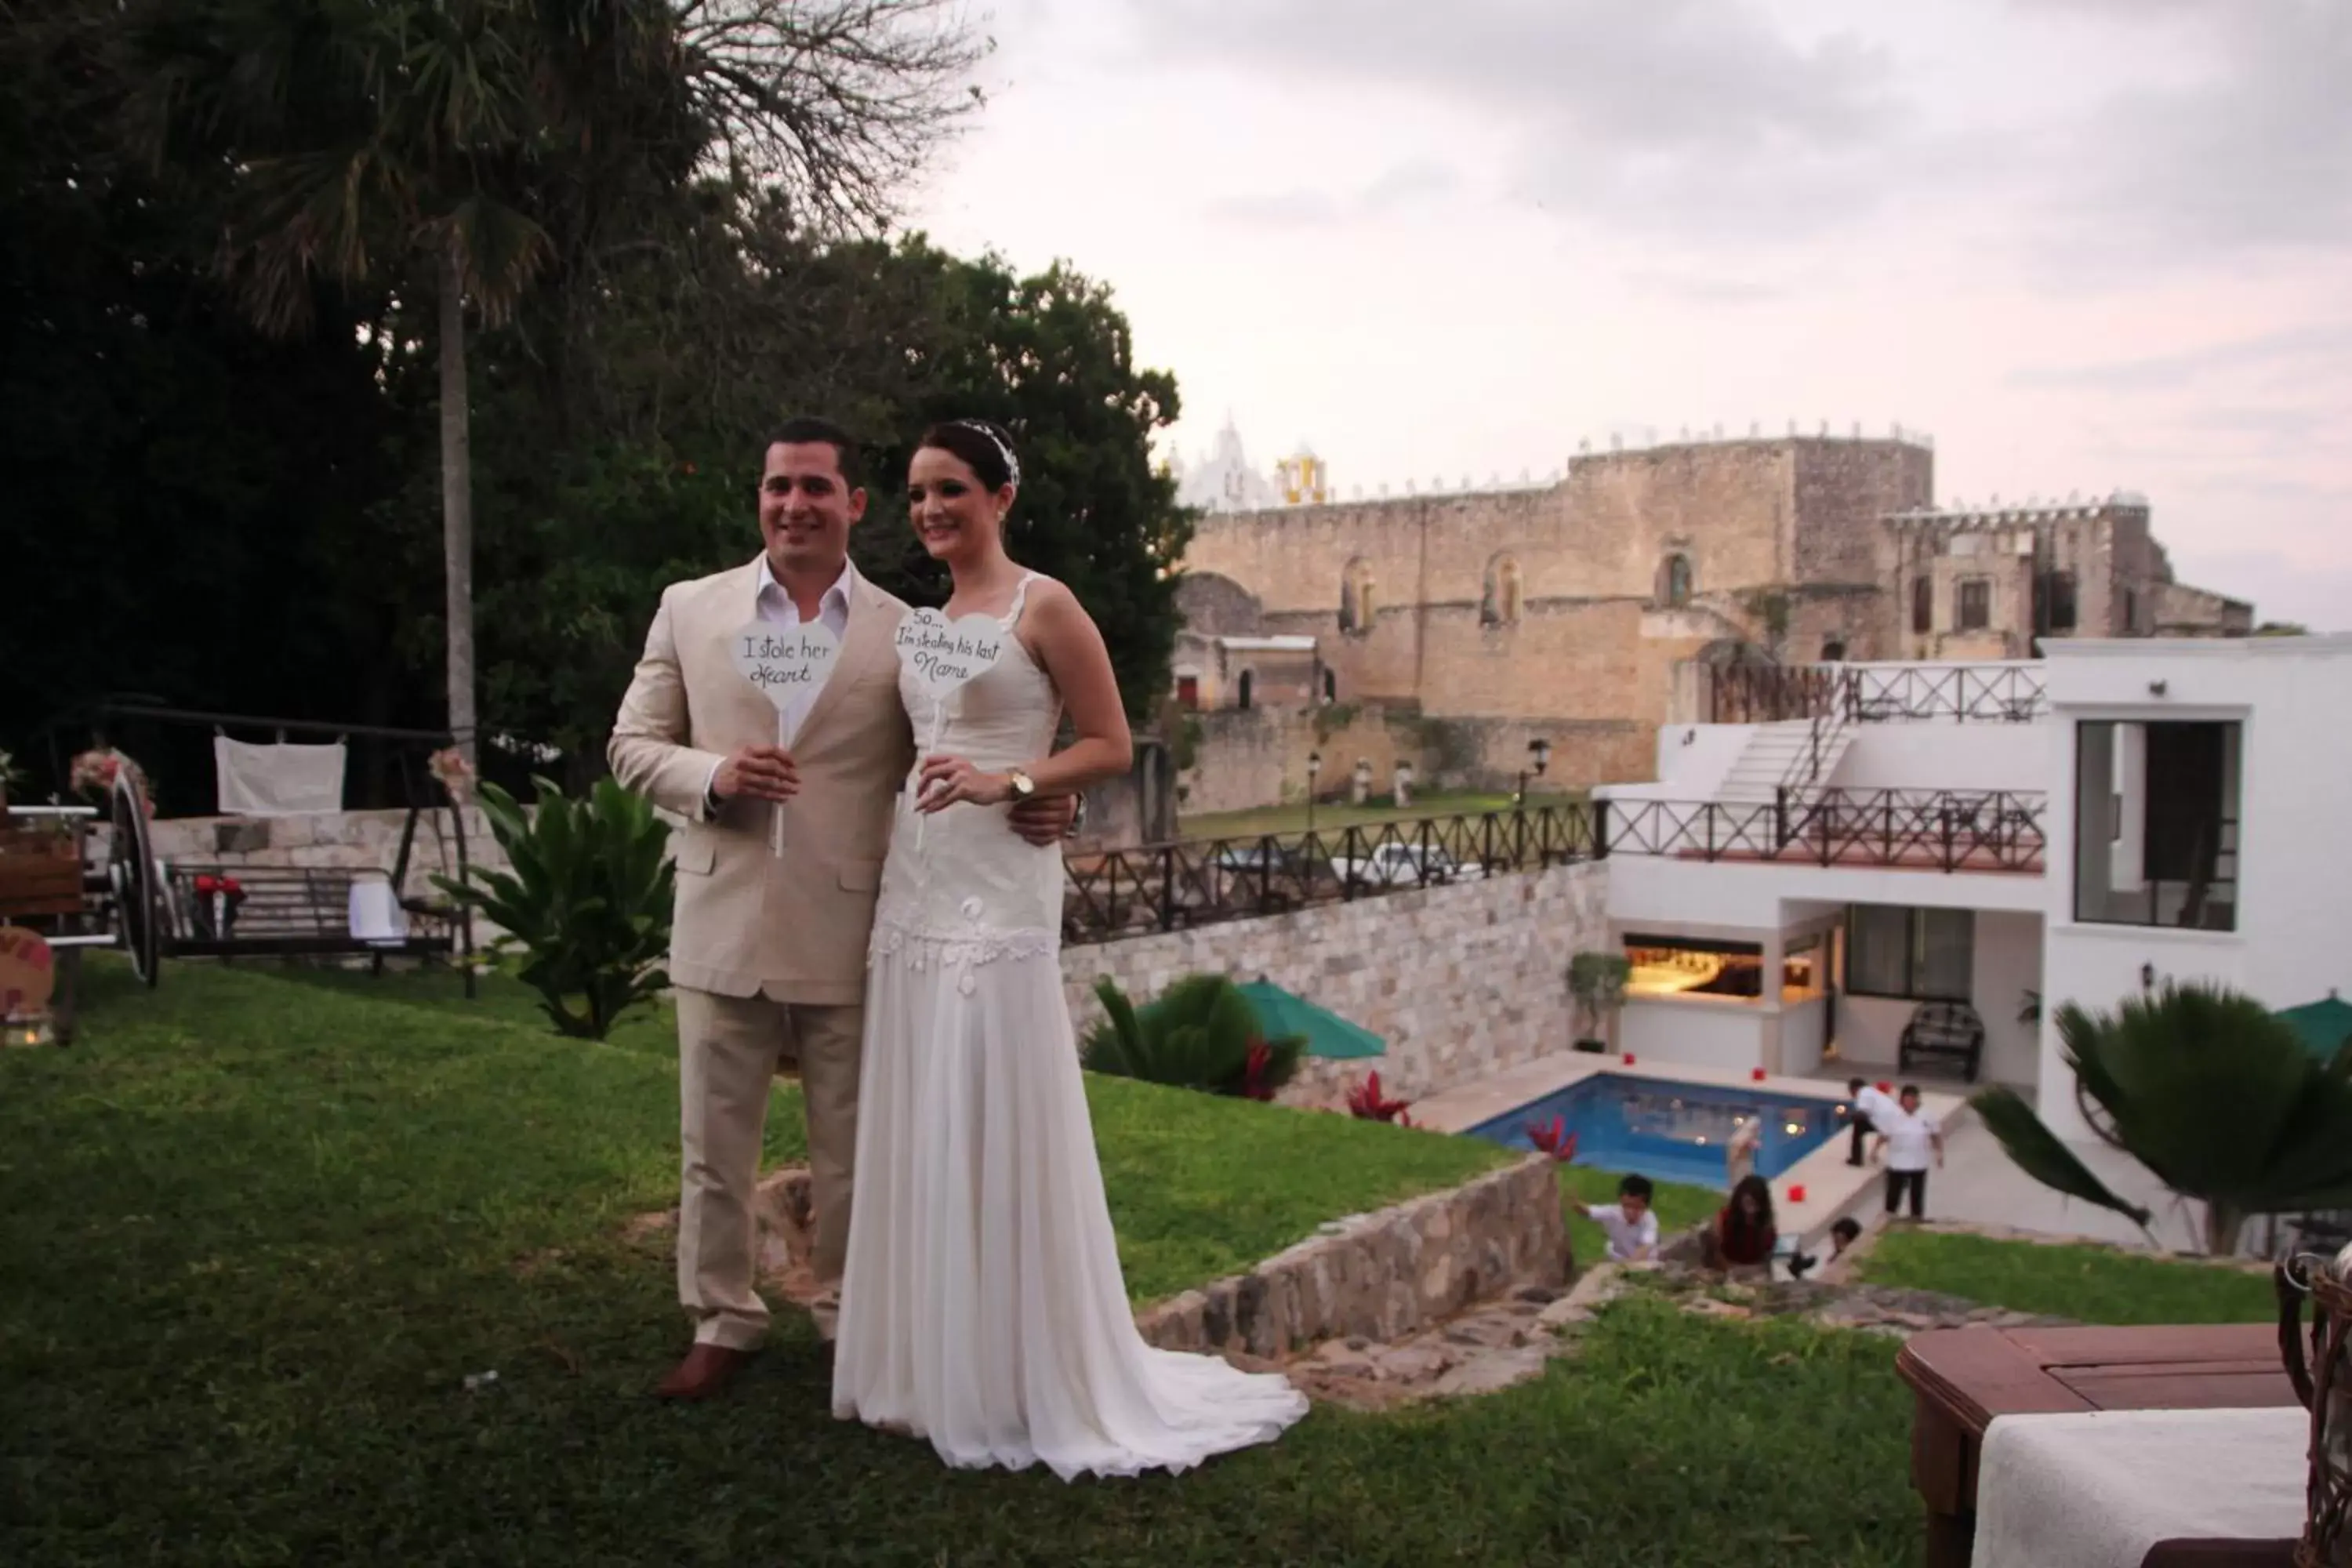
(1965, 1377)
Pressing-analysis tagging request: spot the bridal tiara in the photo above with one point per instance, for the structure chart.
(1004, 449)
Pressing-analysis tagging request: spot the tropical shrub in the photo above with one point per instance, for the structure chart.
(1367, 1103)
(2219, 1098)
(1200, 1033)
(586, 908)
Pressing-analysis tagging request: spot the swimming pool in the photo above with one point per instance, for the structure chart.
(1672, 1131)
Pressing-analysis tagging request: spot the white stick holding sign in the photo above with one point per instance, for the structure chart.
(943, 656)
(788, 664)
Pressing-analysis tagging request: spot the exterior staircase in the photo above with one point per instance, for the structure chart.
(1782, 756)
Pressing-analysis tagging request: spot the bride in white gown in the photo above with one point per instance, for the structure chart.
(983, 1306)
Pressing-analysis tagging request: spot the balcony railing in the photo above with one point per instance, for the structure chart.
(1879, 693)
(1170, 887)
(1898, 829)
(1962, 693)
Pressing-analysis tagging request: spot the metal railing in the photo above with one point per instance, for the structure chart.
(1960, 693)
(1938, 830)
(1878, 693)
(1172, 887)
(1769, 693)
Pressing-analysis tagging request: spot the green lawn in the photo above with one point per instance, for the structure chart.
(2093, 1284)
(258, 1231)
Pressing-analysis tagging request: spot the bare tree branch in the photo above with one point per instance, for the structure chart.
(834, 102)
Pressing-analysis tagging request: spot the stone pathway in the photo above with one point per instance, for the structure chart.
(1487, 1348)
(1504, 1343)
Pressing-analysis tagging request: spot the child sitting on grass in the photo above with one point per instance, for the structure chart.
(1742, 1235)
(1633, 1229)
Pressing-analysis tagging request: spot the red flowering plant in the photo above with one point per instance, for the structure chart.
(1366, 1103)
(1556, 1139)
(449, 766)
(217, 896)
(94, 771)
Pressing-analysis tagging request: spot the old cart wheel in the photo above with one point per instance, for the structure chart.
(138, 901)
(2096, 1117)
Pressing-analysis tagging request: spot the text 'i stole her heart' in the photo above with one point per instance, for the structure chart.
(785, 662)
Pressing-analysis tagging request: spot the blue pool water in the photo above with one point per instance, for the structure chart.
(1670, 1131)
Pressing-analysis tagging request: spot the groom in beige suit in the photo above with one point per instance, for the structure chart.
(768, 953)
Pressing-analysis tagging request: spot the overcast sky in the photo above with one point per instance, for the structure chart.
(2087, 245)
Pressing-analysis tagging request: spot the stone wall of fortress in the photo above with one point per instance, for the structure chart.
(1581, 644)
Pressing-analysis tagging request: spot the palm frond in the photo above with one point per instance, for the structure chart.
(2037, 1151)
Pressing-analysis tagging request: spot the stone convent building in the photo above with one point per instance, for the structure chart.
(1476, 621)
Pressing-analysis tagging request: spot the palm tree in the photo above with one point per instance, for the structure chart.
(464, 148)
(2217, 1096)
(396, 144)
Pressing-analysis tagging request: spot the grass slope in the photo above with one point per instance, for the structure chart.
(257, 1235)
(2092, 1284)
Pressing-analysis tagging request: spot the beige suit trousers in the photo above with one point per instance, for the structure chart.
(729, 1048)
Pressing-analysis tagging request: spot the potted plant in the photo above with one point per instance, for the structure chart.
(1597, 982)
(40, 860)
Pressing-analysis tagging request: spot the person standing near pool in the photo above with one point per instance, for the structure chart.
(1633, 1229)
(1870, 1102)
(1909, 1137)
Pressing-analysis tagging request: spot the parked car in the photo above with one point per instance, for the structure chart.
(1392, 865)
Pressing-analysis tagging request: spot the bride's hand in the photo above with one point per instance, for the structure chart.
(945, 780)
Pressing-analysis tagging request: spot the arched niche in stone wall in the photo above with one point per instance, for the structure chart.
(1357, 608)
(1501, 604)
(1677, 581)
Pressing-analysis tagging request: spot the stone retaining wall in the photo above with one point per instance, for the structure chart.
(1381, 1276)
(1461, 981)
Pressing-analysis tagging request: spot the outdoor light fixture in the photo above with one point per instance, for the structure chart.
(1314, 767)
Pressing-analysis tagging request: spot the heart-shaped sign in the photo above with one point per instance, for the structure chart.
(786, 663)
(943, 655)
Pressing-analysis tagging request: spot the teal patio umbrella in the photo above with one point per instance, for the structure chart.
(2324, 1024)
(1327, 1035)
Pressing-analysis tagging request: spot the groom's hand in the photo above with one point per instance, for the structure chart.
(1045, 820)
(758, 773)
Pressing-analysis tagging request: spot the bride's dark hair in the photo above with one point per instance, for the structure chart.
(985, 448)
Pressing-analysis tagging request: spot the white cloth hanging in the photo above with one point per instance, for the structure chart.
(278, 780)
(376, 917)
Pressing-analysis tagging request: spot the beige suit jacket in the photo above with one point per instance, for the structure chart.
(793, 927)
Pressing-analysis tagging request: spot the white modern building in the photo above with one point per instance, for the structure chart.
(1898, 858)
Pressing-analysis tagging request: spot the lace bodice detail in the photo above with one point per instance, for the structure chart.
(960, 888)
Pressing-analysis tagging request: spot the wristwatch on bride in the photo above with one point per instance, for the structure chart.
(1023, 786)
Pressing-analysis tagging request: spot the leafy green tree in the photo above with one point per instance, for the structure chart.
(462, 149)
(1051, 358)
(2218, 1098)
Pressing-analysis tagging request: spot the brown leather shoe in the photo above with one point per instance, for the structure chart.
(706, 1369)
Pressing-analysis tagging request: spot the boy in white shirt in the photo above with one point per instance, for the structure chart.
(1870, 1103)
(1633, 1229)
(1907, 1137)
